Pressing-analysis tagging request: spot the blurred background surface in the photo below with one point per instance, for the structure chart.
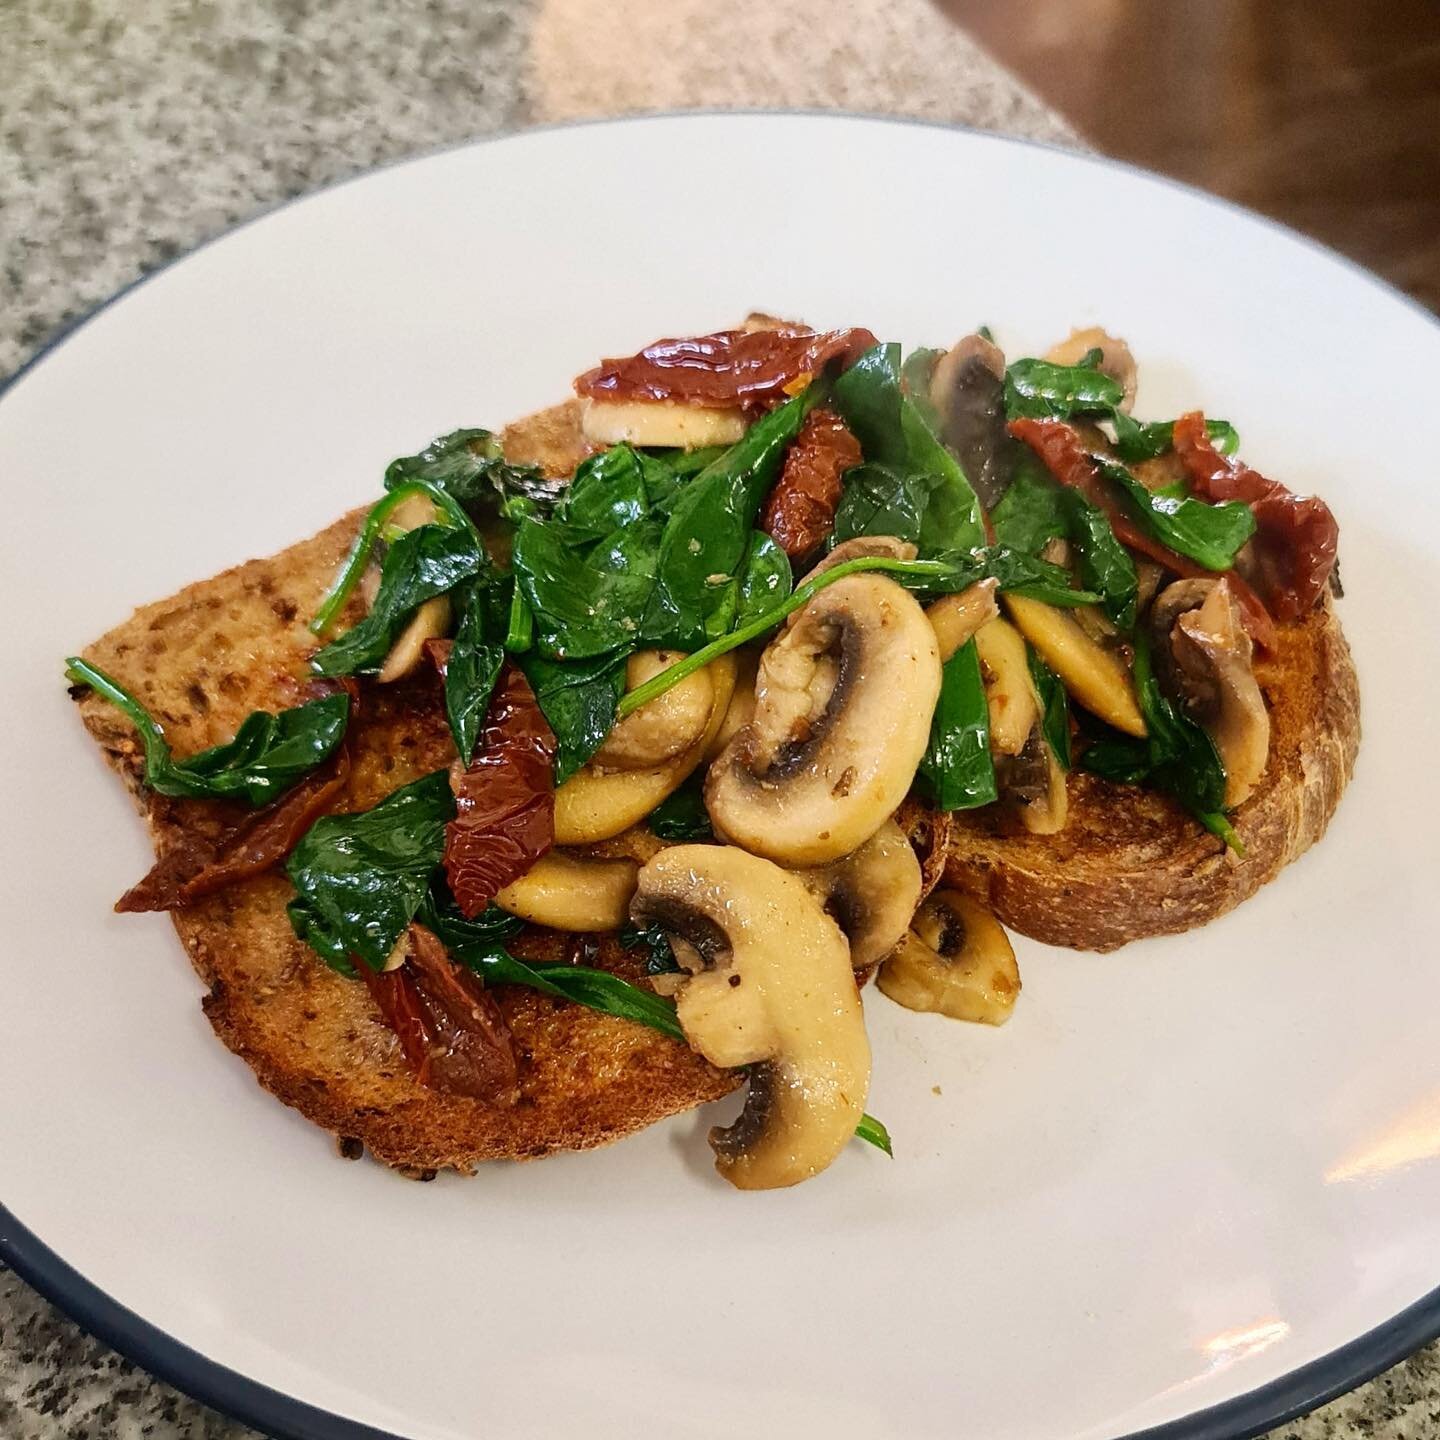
(1322, 113)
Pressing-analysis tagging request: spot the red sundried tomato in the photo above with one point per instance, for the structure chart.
(749, 368)
(1067, 458)
(504, 800)
(800, 511)
(450, 1029)
(1296, 535)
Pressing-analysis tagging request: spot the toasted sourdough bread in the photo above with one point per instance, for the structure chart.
(200, 662)
(1131, 863)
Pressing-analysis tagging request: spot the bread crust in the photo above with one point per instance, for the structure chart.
(202, 660)
(1131, 863)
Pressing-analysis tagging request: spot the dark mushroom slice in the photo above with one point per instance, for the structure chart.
(843, 702)
(967, 391)
(770, 987)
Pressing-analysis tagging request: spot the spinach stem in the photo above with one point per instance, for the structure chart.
(801, 595)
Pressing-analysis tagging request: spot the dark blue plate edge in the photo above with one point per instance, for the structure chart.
(285, 1418)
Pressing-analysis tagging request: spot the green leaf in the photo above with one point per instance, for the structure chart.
(1135, 442)
(470, 466)
(765, 578)
(1031, 512)
(682, 815)
(1177, 756)
(421, 564)
(660, 954)
(916, 373)
(1041, 390)
(578, 699)
(957, 771)
(610, 491)
(1208, 534)
(705, 539)
(1105, 565)
(475, 661)
(1054, 707)
(880, 501)
(439, 912)
(269, 753)
(873, 1132)
(587, 597)
(894, 433)
(596, 989)
(360, 878)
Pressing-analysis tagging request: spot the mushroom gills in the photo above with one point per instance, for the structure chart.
(568, 893)
(843, 702)
(955, 961)
(870, 893)
(771, 988)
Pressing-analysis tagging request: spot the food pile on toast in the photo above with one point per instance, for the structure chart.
(593, 770)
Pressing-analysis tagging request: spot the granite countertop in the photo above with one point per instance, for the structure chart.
(131, 130)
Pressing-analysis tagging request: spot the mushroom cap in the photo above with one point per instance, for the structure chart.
(773, 990)
(844, 699)
(871, 893)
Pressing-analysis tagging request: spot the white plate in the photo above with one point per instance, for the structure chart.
(1181, 1173)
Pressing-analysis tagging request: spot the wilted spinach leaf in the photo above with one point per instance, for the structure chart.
(476, 658)
(578, 699)
(765, 578)
(957, 771)
(269, 753)
(894, 433)
(1135, 442)
(360, 878)
(881, 501)
(1105, 565)
(1054, 707)
(1042, 390)
(470, 466)
(1208, 534)
(1177, 756)
(704, 540)
(660, 954)
(1032, 511)
(419, 565)
(682, 815)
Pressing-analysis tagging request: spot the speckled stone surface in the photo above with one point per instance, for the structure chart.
(131, 130)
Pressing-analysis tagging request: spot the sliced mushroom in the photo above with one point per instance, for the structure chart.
(741, 710)
(1115, 357)
(432, 618)
(430, 621)
(859, 547)
(870, 893)
(671, 723)
(1009, 690)
(843, 701)
(1211, 663)
(1034, 783)
(594, 804)
(665, 423)
(956, 618)
(956, 960)
(967, 392)
(1096, 677)
(567, 893)
(773, 990)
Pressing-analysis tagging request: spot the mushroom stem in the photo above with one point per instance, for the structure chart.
(566, 893)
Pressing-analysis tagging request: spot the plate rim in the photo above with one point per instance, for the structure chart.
(283, 1416)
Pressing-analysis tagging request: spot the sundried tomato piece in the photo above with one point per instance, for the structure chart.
(1067, 458)
(1296, 535)
(748, 368)
(800, 511)
(504, 799)
(449, 1028)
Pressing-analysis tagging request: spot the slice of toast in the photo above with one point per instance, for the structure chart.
(1131, 863)
(200, 662)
